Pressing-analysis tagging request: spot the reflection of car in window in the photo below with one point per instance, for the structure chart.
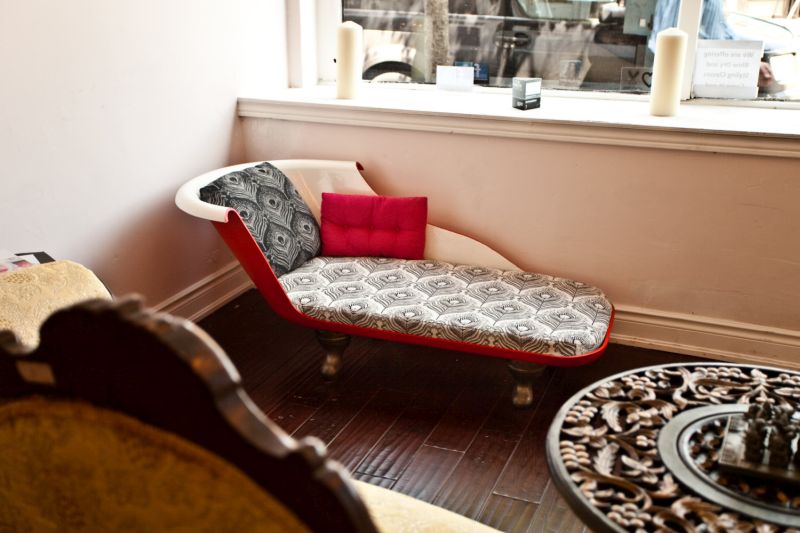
(585, 44)
(569, 43)
(781, 50)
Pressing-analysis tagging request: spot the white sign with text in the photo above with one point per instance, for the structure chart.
(454, 78)
(727, 69)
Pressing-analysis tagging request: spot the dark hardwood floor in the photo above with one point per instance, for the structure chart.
(436, 425)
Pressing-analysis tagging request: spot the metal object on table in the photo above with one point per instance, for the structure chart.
(690, 464)
(744, 450)
(604, 455)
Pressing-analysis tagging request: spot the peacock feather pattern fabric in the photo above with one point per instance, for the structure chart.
(273, 211)
(522, 311)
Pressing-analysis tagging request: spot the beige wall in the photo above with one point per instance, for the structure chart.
(106, 108)
(702, 234)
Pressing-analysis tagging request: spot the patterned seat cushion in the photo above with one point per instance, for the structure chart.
(509, 309)
(273, 211)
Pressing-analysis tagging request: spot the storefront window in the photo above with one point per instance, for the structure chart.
(570, 44)
(769, 22)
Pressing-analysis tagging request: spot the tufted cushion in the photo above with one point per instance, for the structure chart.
(510, 309)
(273, 211)
(378, 226)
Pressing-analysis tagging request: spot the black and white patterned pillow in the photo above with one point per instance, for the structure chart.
(273, 211)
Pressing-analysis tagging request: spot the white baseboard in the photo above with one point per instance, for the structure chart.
(209, 294)
(707, 337)
(634, 326)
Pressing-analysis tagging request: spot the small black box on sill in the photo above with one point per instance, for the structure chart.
(526, 93)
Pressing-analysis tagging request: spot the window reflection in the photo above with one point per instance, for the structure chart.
(571, 44)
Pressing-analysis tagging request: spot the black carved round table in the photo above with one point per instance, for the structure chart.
(638, 451)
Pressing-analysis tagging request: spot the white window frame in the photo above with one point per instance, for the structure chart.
(689, 21)
(311, 40)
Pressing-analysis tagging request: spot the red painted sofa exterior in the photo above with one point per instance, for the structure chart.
(244, 247)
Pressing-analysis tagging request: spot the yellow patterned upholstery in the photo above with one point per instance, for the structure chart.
(29, 295)
(69, 466)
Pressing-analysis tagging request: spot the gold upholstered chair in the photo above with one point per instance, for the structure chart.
(126, 420)
(29, 295)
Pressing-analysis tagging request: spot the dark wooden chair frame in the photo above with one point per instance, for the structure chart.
(170, 374)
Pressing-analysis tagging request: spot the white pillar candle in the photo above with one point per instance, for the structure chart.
(349, 59)
(665, 93)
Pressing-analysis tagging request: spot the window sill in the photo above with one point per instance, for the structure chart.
(617, 120)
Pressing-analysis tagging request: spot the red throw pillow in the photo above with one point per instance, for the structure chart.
(376, 226)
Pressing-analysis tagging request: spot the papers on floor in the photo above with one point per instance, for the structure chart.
(10, 261)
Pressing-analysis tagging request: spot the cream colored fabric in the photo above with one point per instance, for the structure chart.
(29, 295)
(68, 466)
(393, 512)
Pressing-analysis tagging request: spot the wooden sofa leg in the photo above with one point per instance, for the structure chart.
(524, 374)
(334, 345)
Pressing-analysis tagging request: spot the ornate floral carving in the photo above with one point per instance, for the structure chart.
(608, 443)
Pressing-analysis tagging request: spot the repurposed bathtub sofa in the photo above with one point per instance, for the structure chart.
(462, 296)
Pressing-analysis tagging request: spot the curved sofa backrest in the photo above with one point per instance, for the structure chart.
(237, 236)
(312, 178)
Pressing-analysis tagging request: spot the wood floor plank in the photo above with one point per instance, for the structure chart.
(427, 472)
(311, 388)
(554, 515)
(387, 364)
(367, 427)
(512, 421)
(329, 420)
(419, 369)
(389, 412)
(271, 390)
(466, 414)
(290, 416)
(275, 345)
(508, 514)
(437, 386)
(400, 443)
(339, 401)
(471, 482)
(374, 480)
(526, 475)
